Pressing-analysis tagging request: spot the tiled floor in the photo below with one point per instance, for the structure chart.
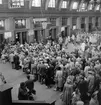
(15, 77)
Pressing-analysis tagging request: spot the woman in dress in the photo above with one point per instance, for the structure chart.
(67, 92)
(59, 79)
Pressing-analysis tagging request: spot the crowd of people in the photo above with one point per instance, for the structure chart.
(76, 74)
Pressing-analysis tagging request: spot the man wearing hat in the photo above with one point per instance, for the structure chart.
(83, 87)
(90, 80)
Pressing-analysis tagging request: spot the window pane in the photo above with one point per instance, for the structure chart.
(97, 7)
(36, 3)
(1, 24)
(22, 2)
(75, 5)
(0, 1)
(83, 6)
(64, 4)
(90, 7)
(52, 3)
(16, 3)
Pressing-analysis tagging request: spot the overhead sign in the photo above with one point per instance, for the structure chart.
(40, 19)
(7, 35)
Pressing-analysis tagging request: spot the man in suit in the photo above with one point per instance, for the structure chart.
(30, 84)
(16, 61)
(99, 94)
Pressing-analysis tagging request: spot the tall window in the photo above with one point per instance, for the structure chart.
(36, 3)
(16, 3)
(64, 4)
(52, 3)
(97, 8)
(1, 24)
(75, 5)
(83, 7)
(0, 1)
(90, 7)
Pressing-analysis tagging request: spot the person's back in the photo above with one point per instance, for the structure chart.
(99, 96)
(94, 100)
(30, 85)
(22, 92)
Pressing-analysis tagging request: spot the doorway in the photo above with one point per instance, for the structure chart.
(21, 37)
(17, 37)
(90, 27)
(36, 35)
(1, 38)
(24, 37)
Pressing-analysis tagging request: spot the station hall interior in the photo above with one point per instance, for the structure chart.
(52, 41)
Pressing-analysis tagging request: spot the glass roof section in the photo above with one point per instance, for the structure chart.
(64, 4)
(75, 5)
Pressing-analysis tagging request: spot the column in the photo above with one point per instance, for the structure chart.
(99, 22)
(87, 24)
(21, 37)
(46, 33)
(78, 23)
(29, 26)
(93, 21)
(9, 27)
(59, 24)
(69, 23)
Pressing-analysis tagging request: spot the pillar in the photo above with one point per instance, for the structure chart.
(93, 21)
(46, 33)
(87, 24)
(78, 23)
(29, 26)
(59, 24)
(10, 27)
(99, 22)
(69, 23)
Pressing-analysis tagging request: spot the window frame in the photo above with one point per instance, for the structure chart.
(14, 6)
(73, 6)
(36, 6)
(17, 26)
(51, 5)
(96, 7)
(64, 4)
(1, 2)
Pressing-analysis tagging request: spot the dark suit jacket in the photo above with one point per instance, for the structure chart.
(30, 84)
(99, 96)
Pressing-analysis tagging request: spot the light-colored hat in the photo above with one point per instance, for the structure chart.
(80, 103)
(68, 81)
(91, 72)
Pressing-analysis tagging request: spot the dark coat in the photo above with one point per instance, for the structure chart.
(16, 60)
(30, 84)
(22, 94)
(99, 96)
(49, 75)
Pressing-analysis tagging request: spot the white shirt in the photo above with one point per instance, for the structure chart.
(1, 83)
(83, 45)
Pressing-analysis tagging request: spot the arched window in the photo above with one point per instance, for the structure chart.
(97, 8)
(75, 5)
(64, 4)
(90, 7)
(52, 3)
(0, 1)
(36, 3)
(16, 3)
